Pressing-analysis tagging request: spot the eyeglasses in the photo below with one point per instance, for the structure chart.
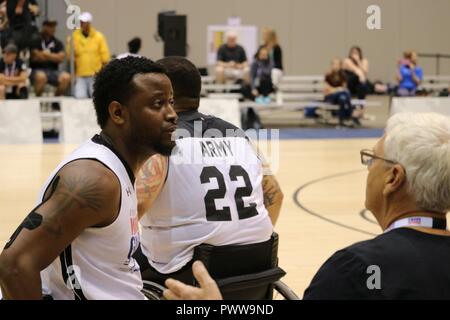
(368, 157)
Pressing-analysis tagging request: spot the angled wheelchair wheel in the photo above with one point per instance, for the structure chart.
(282, 292)
(152, 290)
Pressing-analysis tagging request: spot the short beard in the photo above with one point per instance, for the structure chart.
(165, 150)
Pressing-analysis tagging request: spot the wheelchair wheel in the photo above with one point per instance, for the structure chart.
(283, 292)
(152, 290)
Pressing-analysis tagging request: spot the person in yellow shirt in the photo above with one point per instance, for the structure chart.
(91, 52)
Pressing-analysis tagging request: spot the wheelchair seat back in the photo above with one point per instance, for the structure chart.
(243, 272)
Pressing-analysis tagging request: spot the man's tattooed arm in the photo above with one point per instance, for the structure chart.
(84, 194)
(273, 197)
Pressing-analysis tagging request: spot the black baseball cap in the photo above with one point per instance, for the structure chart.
(49, 22)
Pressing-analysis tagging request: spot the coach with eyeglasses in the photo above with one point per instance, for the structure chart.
(408, 192)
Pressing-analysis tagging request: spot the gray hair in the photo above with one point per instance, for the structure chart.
(231, 34)
(420, 142)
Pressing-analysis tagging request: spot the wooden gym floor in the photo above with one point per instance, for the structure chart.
(323, 182)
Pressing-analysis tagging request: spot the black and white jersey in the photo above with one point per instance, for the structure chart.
(213, 194)
(98, 264)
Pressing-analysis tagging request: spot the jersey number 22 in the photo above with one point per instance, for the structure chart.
(214, 214)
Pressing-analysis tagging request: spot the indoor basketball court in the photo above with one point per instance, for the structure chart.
(345, 69)
(323, 183)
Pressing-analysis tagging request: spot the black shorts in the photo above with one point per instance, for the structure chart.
(52, 76)
(14, 93)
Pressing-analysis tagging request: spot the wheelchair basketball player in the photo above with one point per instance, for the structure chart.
(212, 189)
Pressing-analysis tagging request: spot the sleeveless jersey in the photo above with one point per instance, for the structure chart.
(98, 264)
(212, 195)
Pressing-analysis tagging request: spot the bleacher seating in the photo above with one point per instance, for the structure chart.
(76, 120)
(295, 93)
(222, 91)
(435, 84)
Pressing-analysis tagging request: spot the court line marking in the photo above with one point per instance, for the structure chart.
(320, 216)
(363, 213)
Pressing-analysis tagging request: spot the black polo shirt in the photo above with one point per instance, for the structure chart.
(411, 265)
(53, 45)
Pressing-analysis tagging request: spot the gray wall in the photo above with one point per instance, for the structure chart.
(311, 32)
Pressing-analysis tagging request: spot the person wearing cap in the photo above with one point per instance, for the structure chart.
(91, 54)
(47, 53)
(13, 75)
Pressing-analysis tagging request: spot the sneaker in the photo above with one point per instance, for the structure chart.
(56, 106)
(259, 100)
(356, 122)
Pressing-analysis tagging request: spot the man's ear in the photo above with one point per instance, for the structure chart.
(117, 112)
(394, 179)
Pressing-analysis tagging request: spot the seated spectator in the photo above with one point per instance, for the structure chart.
(336, 92)
(261, 74)
(275, 54)
(356, 69)
(21, 16)
(3, 24)
(47, 52)
(407, 190)
(13, 75)
(409, 74)
(232, 61)
(91, 54)
(134, 46)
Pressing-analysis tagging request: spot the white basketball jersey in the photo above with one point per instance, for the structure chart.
(98, 264)
(213, 195)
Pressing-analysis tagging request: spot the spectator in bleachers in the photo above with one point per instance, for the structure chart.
(275, 54)
(3, 24)
(232, 61)
(47, 52)
(356, 69)
(134, 46)
(91, 54)
(336, 92)
(21, 18)
(261, 75)
(13, 75)
(409, 74)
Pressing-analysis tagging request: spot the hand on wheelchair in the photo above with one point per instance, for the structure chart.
(208, 290)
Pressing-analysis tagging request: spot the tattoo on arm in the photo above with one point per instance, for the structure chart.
(31, 222)
(81, 192)
(151, 177)
(270, 191)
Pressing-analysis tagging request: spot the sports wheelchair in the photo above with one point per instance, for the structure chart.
(242, 272)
